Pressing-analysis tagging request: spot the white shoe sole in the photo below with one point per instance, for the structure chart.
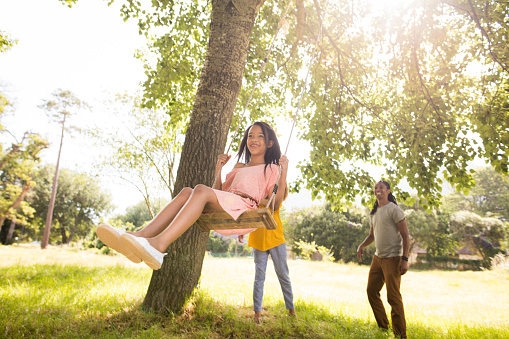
(110, 237)
(129, 241)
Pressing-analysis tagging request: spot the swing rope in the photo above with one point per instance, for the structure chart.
(283, 24)
(319, 36)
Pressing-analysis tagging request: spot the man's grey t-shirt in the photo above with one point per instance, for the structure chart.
(388, 240)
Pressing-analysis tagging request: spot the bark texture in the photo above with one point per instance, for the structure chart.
(10, 232)
(220, 83)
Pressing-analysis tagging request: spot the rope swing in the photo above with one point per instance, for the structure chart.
(262, 216)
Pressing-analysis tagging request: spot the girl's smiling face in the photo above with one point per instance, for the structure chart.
(256, 141)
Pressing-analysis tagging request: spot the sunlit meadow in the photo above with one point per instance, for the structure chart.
(65, 292)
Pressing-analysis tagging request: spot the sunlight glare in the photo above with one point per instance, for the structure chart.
(388, 4)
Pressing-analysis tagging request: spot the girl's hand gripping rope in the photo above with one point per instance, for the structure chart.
(222, 159)
(283, 162)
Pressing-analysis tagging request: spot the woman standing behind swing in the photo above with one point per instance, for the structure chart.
(244, 187)
(270, 242)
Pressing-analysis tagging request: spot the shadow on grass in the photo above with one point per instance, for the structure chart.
(204, 318)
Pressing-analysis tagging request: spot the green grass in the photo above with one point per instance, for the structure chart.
(67, 293)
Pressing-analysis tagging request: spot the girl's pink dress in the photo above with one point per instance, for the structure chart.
(253, 181)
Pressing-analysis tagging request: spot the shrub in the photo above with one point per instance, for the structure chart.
(444, 262)
(307, 250)
(500, 262)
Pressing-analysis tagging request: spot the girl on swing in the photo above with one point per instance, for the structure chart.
(245, 186)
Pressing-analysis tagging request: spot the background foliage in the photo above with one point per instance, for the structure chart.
(474, 222)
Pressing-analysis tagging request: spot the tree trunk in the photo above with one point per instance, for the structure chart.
(21, 234)
(220, 83)
(10, 232)
(49, 216)
(72, 231)
(63, 235)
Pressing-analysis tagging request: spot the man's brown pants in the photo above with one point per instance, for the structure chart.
(386, 270)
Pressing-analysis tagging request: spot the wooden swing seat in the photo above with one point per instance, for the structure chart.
(254, 218)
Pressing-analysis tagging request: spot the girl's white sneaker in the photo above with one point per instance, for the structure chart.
(143, 250)
(110, 236)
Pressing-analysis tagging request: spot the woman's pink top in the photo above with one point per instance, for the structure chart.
(252, 181)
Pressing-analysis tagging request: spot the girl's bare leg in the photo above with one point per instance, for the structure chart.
(165, 216)
(202, 199)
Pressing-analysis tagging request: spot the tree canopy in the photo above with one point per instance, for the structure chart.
(145, 148)
(483, 234)
(340, 232)
(420, 88)
(489, 197)
(5, 44)
(79, 204)
(407, 88)
(138, 215)
(18, 166)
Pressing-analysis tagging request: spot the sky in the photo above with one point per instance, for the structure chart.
(89, 50)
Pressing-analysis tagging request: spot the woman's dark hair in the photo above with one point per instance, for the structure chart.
(390, 196)
(272, 154)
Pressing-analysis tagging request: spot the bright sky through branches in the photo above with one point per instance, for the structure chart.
(388, 4)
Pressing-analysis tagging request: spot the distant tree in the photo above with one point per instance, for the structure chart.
(138, 214)
(430, 230)
(18, 165)
(144, 149)
(5, 44)
(80, 203)
(306, 251)
(483, 234)
(218, 243)
(340, 232)
(59, 109)
(489, 197)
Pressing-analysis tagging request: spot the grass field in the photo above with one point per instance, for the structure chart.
(62, 292)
